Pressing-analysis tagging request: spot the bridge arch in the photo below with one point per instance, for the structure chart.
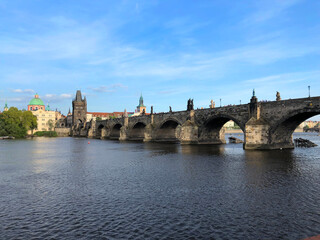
(115, 131)
(167, 130)
(99, 130)
(211, 131)
(137, 131)
(281, 131)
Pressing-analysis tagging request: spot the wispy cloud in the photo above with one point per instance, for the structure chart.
(148, 63)
(23, 90)
(267, 10)
(111, 88)
(285, 78)
(72, 41)
(200, 50)
(49, 97)
(183, 26)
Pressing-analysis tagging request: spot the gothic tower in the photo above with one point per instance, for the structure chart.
(79, 109)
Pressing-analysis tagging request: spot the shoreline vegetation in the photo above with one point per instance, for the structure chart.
(16, 123)
(45, 134)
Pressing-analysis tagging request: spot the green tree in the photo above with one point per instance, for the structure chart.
(29, 121)
(11, 123)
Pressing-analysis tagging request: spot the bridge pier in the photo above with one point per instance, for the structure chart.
(149, 133)
(124, 131)
(189, 130)
(256, 134)
(105, 133)
(189, 133)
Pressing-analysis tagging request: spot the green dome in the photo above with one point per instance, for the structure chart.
(36, 101)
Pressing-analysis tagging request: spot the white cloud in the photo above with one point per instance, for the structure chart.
(57, 97)
(23, 91)
(66, 95)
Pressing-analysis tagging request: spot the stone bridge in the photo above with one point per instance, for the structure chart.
(266, 125)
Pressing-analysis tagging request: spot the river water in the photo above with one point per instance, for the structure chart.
(65, 188)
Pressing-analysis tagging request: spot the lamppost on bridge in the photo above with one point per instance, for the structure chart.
(240, 102)
(309, 91)
(220, 102)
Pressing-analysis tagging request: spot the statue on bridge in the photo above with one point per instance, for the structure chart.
(190, 104)
(151, 109)
(212, 104)
(278, 96)
(170, 109)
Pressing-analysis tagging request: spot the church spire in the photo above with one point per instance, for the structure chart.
(141, 101)
(6, 106)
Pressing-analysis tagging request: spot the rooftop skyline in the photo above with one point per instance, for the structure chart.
(114, 50)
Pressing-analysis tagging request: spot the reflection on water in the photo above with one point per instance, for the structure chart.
(66, 188)
(215, 150)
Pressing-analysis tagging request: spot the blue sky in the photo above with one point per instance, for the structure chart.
(168, 50)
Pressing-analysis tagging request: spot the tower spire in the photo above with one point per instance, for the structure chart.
(6, 106)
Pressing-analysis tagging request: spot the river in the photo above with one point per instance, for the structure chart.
(66, 188)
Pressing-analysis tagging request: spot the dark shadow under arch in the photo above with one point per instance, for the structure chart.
(137, 131)
(115, 131)
(99, 130)
(167, 131)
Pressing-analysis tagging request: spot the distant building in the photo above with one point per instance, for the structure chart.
(309, 124)
(141, 107)
(104, 115)
(36, 104)
(229, 124)
(5, 107)
(79, 109)
(69, 119)
(46, 118)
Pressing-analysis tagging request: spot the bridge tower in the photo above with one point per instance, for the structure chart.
(79, 109)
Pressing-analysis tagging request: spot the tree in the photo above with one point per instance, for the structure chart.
(50, 124)
(29, 121)
(11, 123)
(16, 123)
